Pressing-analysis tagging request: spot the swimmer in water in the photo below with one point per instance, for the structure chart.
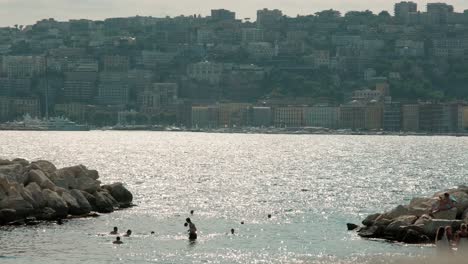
(115, 231)
(191, 212)
(232, 231)
(129, 233)
(192, 229)
(117, 241)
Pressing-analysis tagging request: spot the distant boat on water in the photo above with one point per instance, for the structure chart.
(48, 124)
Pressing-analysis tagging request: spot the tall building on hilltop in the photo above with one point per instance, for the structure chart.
(268, 18)
(404, 9)
(438, 13)
(222, 14)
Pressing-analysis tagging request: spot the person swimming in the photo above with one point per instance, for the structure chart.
(115, 231)
(232, 231)
(192, 229)
(129, 233)
(117, 241)
(191, 212)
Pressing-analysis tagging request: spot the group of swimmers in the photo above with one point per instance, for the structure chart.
(118, 240)
(192, 230)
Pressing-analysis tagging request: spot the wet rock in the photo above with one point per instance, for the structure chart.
(400, 223)
(83, 203)
(5, 162)
(419, 206)
(123, 196)
(370, 219)
(17, 203)
(91, 199)
(87, 184)
(447, 214)
(371, 232)
(44, 165)
(36, 194)
(351, 226)
(73, 206)
(47, 214)
(41, 179)
(396, 212)
(21, 161)
(103, 203)
(54, 201)
(11, 170)
(423, 220)
(7, 215)
(414, 237)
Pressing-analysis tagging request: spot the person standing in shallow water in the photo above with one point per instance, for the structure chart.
(192, 229)
(115, 231)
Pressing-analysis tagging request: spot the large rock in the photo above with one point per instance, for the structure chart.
(419, 206)
(47, 214)
(54, 201)
(11, 170)
(462, 201)
(447, 214)
(73, 206)
(43, 165)
(7, 215)
(36, 194)
(83, 203)
(41, 179)
(17, 203)
(423, 220)
(76, 177)
(5, 162)
(398, 211)
(399, 223)
(370, 219)
(104, 202)
(91, 199)
(371, 232)
(430, 228)
(123, 196)
(21, 161)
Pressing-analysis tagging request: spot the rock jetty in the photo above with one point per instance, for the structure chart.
(38, 191)
(413, 223)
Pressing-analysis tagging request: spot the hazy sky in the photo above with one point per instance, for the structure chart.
(28, 11)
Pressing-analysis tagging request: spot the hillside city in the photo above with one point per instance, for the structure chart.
(406, 71)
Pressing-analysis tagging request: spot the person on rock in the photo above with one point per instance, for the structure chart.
(117, 241)
(446, 202)
(129, 233)
(115, 231)
(192, 229)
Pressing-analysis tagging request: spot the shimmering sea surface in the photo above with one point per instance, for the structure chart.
(312, 185)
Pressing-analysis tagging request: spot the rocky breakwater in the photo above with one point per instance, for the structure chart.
(34, 191)
(414, 223)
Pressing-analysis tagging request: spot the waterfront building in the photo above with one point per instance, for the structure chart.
(234, 114)
(289, 116)
(353, 115)
(73, 111)
(22, 106)
(374, 116)
(15, 86)
(322, 116)
(205, 116)
(392, 116)
(261, 116)
(410, 117)
(433, 118)
(5, 108)
(158, 97)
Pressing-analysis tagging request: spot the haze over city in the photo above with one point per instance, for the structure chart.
(28, 11)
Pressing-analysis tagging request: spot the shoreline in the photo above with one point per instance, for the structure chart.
(269, 131)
